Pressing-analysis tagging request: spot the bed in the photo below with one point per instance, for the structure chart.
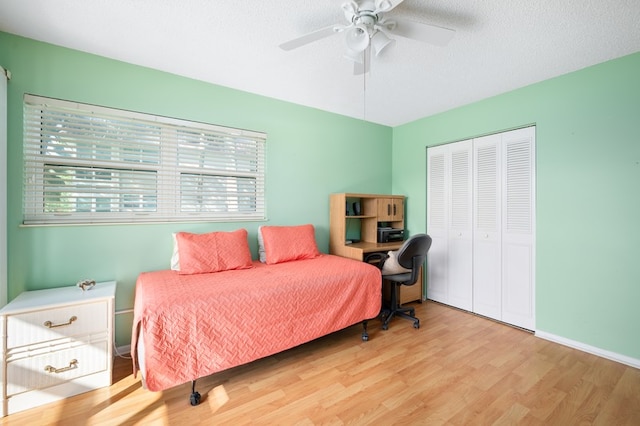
(191, 325)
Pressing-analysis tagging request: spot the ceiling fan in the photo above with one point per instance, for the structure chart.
(368, 27)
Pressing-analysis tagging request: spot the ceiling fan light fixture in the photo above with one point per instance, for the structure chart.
(368, 31)
(380, 41)
(357, 38)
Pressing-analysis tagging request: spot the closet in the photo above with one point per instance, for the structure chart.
(481, 216)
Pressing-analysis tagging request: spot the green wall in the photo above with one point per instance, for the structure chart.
(310, 154)
(588, 193)
(588, 176)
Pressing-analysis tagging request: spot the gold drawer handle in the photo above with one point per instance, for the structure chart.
(49, 324)
(73, 364)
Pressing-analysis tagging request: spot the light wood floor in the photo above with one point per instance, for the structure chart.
(457, 369)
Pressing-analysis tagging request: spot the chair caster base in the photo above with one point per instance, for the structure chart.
(406, 313)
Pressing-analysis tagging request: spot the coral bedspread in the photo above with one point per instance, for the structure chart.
(196, 325)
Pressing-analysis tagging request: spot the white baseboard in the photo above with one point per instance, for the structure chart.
(623, 359)
(122, 350)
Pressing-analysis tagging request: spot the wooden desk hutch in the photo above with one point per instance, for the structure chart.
(354, 234)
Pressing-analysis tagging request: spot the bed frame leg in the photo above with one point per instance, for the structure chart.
(195, 396)
(365, 335)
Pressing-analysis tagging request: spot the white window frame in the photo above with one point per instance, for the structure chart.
(116, 166)
(4, 77)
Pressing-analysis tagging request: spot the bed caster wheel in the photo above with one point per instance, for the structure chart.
(195, 398)
(416, 324)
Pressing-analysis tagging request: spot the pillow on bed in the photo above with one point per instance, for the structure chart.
(285, 243)
(213, 252)
(391, 265)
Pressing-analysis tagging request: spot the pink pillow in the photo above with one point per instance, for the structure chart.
(213, 252)
(285, 243)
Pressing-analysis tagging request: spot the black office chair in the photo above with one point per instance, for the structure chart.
(410, 256)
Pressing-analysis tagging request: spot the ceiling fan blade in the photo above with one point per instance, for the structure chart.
(427, 33)
(360, 68)
(386, 5)
(312, 36)
(350, 9)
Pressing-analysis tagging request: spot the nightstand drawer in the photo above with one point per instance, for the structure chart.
(40, 326)
(50, 369)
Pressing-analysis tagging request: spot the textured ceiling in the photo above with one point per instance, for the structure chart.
(499, 45)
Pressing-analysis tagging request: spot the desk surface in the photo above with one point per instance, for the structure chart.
(368, 247)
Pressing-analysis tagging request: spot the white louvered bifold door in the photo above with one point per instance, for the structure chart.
(518, 227)
(437, 223)
(481, 216)
(460, 225)
(487, 243)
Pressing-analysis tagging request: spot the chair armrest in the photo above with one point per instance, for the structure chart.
(377, 259)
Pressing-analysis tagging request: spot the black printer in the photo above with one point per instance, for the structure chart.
(388, 234)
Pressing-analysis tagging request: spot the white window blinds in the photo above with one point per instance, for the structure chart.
(90, 164)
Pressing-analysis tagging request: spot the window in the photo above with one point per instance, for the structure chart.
(90, 164)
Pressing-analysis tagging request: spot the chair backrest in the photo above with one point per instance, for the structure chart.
(413, 253)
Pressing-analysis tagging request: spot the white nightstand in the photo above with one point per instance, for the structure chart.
(56, 343)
